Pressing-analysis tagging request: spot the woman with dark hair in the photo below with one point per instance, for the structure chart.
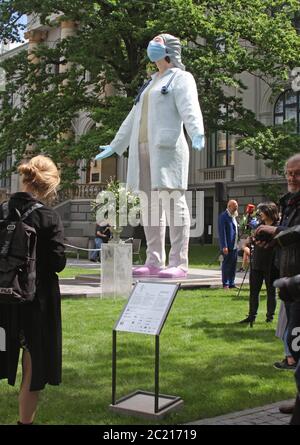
(262, 267)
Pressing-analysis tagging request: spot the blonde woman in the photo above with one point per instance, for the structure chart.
(36, 327)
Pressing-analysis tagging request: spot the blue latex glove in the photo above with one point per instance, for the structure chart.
(106, 153)
(198, 142)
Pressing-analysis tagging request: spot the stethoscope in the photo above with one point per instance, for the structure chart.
(164, 89)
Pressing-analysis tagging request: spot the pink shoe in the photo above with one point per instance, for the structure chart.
(173, 272)
(146, 271)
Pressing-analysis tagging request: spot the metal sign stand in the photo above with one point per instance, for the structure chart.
(142, 403)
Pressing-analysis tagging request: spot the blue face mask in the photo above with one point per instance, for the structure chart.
(156, 51)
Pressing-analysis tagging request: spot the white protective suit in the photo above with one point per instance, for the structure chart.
(162, 163)
(168, 148)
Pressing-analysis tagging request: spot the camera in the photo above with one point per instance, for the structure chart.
(288, 236)
(263, 236)
(289, 287)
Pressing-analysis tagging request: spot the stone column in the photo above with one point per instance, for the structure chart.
(68, 29)
(35, 37)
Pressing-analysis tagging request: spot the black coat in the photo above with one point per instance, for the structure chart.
(41, 319)
(263, 259)
(289, 256)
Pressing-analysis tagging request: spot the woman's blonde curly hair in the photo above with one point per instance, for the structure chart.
(40, 176)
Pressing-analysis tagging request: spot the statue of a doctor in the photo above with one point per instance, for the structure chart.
(159, 155)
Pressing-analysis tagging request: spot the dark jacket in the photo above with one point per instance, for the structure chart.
(41, 319)
(263, 259)
(104, 230)
(289, 256)
(227, 231)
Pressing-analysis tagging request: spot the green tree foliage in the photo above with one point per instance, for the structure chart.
(273, 144)
(223, 39)
(272, 192)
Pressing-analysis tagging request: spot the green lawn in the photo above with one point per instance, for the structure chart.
(200, 256)
(71, 272)
(205, 256)
(214, 364)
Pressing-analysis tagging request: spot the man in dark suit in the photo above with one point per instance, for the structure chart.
(228, 238)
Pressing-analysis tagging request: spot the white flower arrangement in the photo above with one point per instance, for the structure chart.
(115, 204)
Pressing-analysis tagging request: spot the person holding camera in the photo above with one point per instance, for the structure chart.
(102, 235)
(262, 268)
(289, 257)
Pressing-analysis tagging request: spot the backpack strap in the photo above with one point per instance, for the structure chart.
(35, 206)
(4, 248)
(10, 229)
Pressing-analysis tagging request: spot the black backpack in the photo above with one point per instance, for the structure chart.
(17, 256)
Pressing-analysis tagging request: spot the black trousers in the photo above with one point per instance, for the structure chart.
(293, 339)
(257, 277)
(293, 320)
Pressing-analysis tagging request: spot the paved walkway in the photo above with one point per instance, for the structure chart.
(90, 286)
(265, 415)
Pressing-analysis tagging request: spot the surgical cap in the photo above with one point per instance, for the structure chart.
(173, 46)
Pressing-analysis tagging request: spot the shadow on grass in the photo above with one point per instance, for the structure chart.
(234, 332)
(209, 388)
(216, 366)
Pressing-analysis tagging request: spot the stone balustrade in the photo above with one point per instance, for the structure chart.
(80, 191)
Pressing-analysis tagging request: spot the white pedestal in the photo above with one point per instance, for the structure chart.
(116, 270)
